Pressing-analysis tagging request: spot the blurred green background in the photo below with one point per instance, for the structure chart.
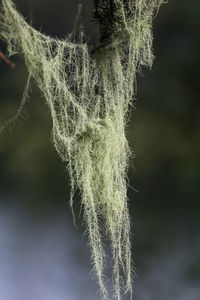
(37, 234)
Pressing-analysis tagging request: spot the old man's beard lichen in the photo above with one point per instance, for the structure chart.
(89, 95)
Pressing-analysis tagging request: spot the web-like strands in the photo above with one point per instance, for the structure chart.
(88, 96)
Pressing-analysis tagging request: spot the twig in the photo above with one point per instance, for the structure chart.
(7, 60)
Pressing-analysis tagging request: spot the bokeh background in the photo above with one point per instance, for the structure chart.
(42, 255)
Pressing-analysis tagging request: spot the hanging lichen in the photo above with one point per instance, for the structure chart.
(89, 93)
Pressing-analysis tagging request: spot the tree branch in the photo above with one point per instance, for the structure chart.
(6, 60)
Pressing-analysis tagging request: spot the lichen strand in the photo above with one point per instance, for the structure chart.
(89, 95)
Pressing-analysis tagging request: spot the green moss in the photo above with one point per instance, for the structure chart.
(89, 96)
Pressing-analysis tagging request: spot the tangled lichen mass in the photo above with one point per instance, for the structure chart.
(89, 95)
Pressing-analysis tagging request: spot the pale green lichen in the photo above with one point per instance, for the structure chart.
(89, 96)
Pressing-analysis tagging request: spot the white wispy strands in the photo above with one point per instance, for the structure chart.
(89, 96)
